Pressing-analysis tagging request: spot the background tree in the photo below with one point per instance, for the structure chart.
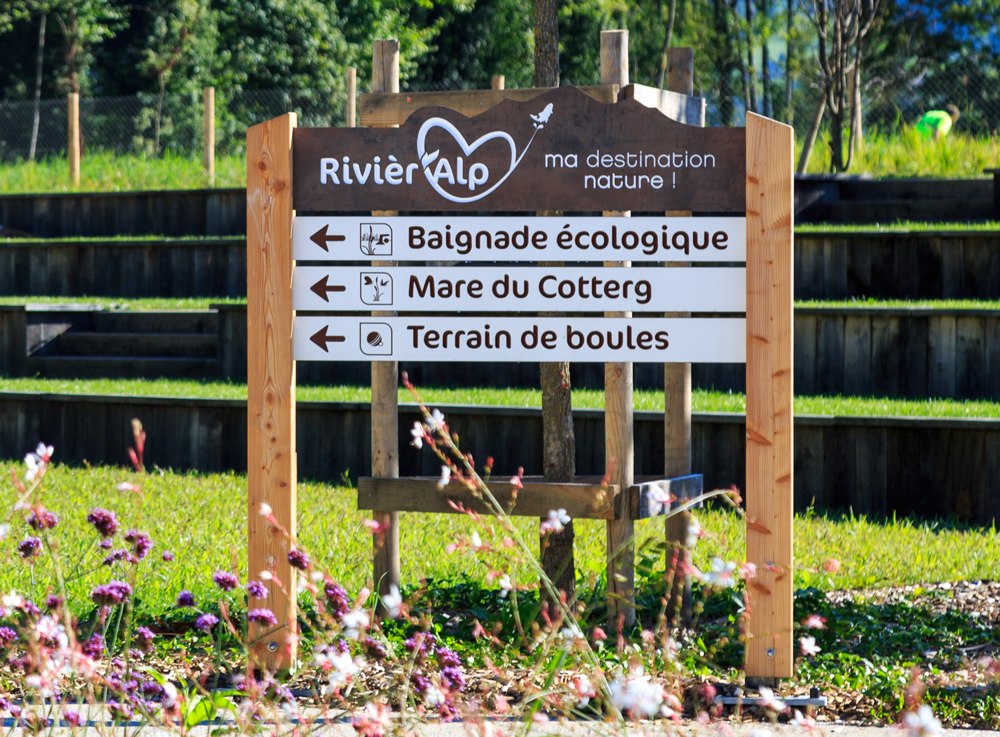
(83, 23)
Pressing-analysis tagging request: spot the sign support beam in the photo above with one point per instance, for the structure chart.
(769, 448)
(271, 460)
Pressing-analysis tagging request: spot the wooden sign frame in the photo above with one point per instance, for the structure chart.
(271, 451)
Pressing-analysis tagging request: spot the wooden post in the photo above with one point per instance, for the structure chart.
(385, 374)
(677, 395)
(618, 437)
(73, 136)
(271, 460)
(498, 81)
(352, 98)
(209, 143)
(770, 213)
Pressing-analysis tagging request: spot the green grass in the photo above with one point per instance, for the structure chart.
(702, 401)
(900, 226)
(107, 172)
(939, 304)
(202, 518)
(122, 303)
(904, 154)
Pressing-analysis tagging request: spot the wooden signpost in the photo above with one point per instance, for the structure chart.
(524, 151)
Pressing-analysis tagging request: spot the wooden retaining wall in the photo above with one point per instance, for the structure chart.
(916, 265)
(914, 353)
(874, 465)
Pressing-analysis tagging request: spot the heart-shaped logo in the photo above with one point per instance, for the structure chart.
(478, 173)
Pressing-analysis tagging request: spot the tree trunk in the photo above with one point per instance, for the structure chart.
(159, 113)
(751, 74)
(789, 81)
(765, 69)
(38, 87)
(666, 43)
(546, 43)
(810, 141)
(723, 61)
(856, 110)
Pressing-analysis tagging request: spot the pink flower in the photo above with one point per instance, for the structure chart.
(418, 435)
(375, 527)
(555, 522)
(832, 565)
(814, 622)
(809, 646)
(748, 570)
(583, 690)
(599, 635)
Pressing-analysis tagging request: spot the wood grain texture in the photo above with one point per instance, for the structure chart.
(685, 109)
(378, 110)
(619, 439)
(208, 138)
(350, 114)
(271, 461)
(680, 70)
(769, 443)
(73, 135)
(385, 375)
(498, 82)
(580, 500)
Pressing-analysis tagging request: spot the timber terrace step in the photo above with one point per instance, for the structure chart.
(155, 321)
(124, 367)
(147, 345)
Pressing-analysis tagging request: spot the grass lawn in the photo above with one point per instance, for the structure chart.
(644, 399)
(936, 304)
(201, 518)
(901, 226)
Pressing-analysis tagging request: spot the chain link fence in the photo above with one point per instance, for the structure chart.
(151, 125)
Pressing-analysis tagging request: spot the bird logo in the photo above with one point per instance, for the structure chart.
(543, 117)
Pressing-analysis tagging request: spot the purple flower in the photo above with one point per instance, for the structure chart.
(94, 647)
(422, 648)
(206, 622)
(225, 580)
(42, 519)
(105, 543)
(151, 689)
(111, 593)
(168, 556)
(262, 616)
(336, 597)
(452, 677)
(31, 608)
(342, 647)
(53, 602)
(73, 718)
(29, 547)
(104, 521)
(141, 542)
(257, 589)
(298, 559)
(116, 555)
(143, 638)
(446, 657)
(375, 649)
(420, 684)
(7, 636)
(185, 599)
(119, 712)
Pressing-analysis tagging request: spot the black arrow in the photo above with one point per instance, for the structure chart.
(321, 288)
(321, 339)
(320, 238)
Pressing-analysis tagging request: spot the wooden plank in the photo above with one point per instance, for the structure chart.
(536, 499)
(350, 113)
(971, 357)
(208, 142)
(647, 497)
(769, 445)
(619, 451)
(682, 108)
(885, 356)
(73, 136)
(858, 355)
(941, 330)
(382, 110)
(385, 376)
(271, 461)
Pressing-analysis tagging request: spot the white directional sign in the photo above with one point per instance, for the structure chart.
(647, 239)
(519, 289)
(454, 339)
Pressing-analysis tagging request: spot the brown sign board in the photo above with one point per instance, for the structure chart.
(562, 150)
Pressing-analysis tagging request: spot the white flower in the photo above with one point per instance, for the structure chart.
(583, 689)
(393, 602)
(445, 477)
(169, 695)
(809, 646)
(355, 621)
(342, 669)
(671, 649)
(505, 586)
(477, 542)
(638, 696)
(721, 574)
(805, 723)
(316, 576)
(48, 628)
(659, 499)
(555, 522)
(4, 531)
(769, 701)
(265, 509)
(34, 464)
(922, 722)
(418, 435)
(693, 533)
(435, 421)
(13, 600)
(433, 696)
(572, 633)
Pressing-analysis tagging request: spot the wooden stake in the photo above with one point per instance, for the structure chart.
(770, 213)
(73, 136)
(498, 81)
(618, 429)
(385, 374)
(271, 461)
(677, 395)
(209, 144)
(352, 97)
